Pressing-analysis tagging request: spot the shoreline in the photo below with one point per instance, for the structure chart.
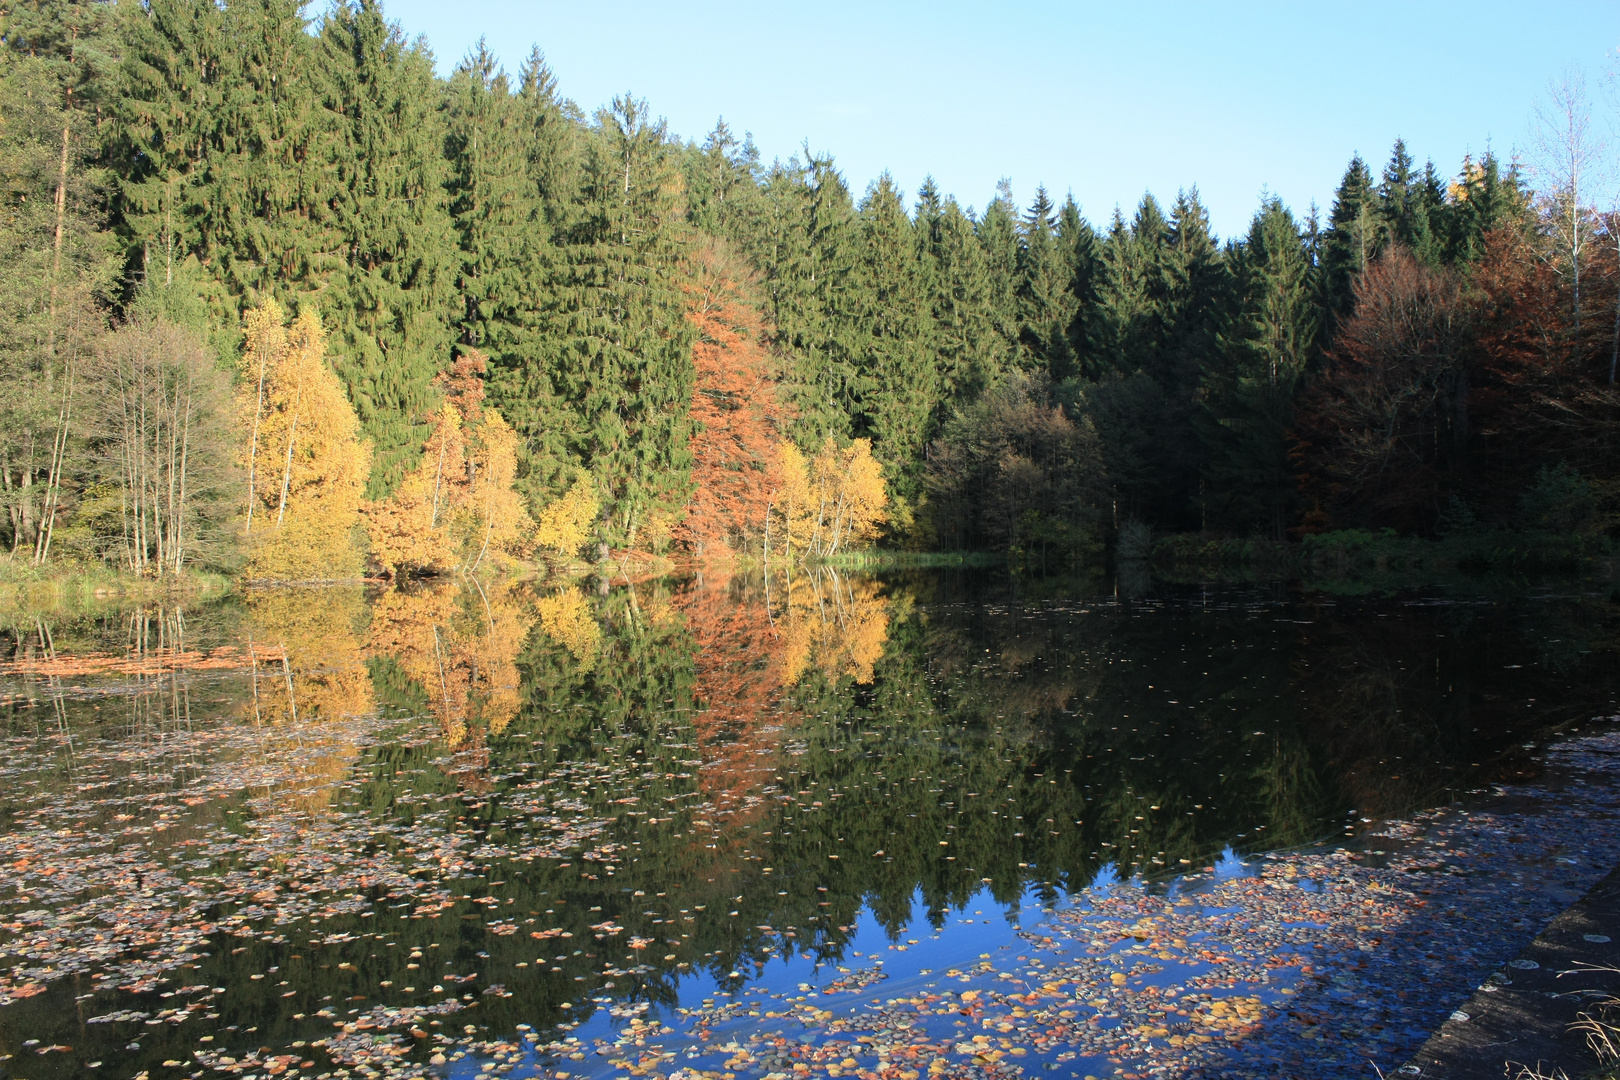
(1522, 1017)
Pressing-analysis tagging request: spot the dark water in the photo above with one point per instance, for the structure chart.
(705, 825)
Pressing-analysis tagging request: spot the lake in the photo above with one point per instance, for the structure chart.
(933, 823)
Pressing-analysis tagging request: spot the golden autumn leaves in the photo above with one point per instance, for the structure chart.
(458, 509)
(307, 518)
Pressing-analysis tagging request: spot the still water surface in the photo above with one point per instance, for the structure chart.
(927, 824)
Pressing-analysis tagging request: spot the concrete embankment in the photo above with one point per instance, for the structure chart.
(1523, 1015)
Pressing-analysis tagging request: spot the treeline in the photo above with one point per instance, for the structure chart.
(689, 346)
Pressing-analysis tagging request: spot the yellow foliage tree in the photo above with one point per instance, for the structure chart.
(565, 523)
(306, 465)
(832, 501)
(458, 508)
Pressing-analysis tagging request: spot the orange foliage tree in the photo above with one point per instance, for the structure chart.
(738, 419)
(305, 463)
(738, 680)
(1388, 418)
(1444, 385)
(458, 508)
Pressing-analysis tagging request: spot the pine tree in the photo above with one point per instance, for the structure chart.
(1248, 393)
(389, 302)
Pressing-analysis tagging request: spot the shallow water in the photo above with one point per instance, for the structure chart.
(849, 827)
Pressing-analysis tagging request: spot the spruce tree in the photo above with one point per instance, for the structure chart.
(971, 354)
(1351, 241)
(1124, 328)
(805, 246)
(1194, 301)
(997, 230)
(1484, 199)
(1077, 243)
(896, 382)
(619, 345)
(1046, 303)
(228, 149)
(1248, 392)
(389, 301)
(722, 183)
(551, 131)
(491, 205)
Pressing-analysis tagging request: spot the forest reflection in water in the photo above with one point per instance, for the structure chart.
(685, 776)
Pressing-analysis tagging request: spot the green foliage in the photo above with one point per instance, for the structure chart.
(1248, 392)
(221, 152)
(389, 310)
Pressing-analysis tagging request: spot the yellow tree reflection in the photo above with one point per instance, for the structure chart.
(460, 643)
(834, 623)
(308, 677)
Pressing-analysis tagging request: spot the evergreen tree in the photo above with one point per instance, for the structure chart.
(1077, 243)
(1482, 199)
(1351, 241)
(620, 346)
(550, 130)
(1046, 303)
(389, 300)
(1124, 328)
(229, 148)
(1195, 289)
(1409, 203)
(896, 385)
(806, 247)
(491, 205)
(971, 354)
(1248, 394)
(998, 235)
(722, 183)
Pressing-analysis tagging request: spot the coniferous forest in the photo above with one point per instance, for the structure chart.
(278, 299)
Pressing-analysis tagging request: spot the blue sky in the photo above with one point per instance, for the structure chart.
(1103, 100)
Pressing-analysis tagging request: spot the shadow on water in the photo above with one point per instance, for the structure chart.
(531, 802)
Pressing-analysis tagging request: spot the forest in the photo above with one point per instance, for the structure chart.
(277, 299)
